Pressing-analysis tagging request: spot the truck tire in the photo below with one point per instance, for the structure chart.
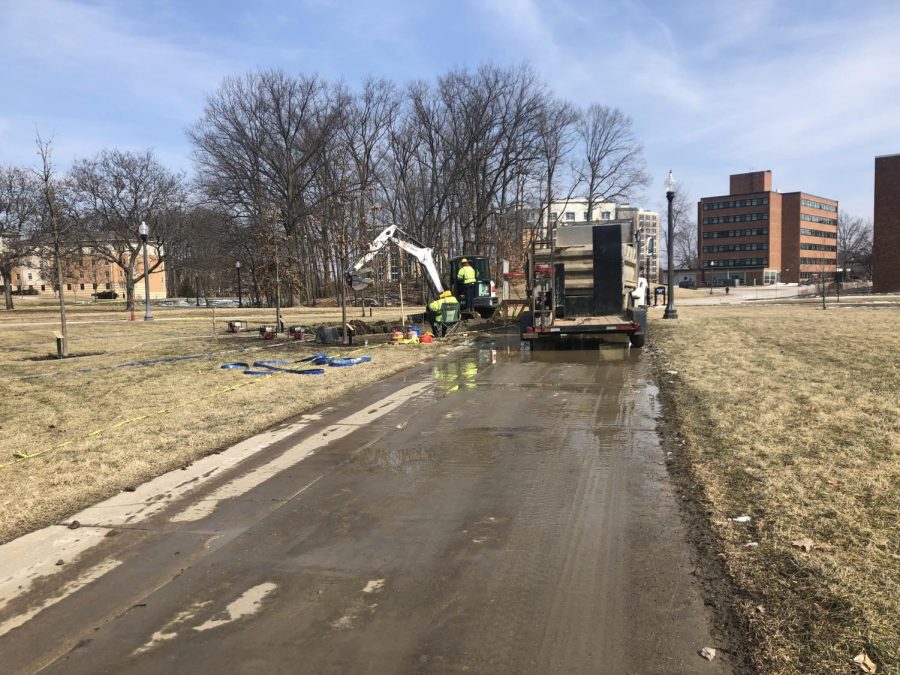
(637, 339)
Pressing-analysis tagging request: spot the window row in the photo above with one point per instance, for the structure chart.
(736, 203)
(818, 233)
(747, 217)
(818, 219)
(818, 261)
(818, 205)
(68, 287)
(755, 232)
(736, 262)
(817, 247)
(727, 248)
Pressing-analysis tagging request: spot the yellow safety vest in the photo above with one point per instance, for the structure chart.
(466, 274)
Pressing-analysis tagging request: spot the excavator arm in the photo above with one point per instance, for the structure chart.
(403, 241)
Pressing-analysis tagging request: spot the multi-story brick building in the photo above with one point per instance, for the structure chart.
(85, 275)
(759, 236)
(886, 233)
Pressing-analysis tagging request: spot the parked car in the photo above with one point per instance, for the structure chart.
(106, 295)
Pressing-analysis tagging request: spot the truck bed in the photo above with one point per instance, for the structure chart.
(605, 323)
(602, 320)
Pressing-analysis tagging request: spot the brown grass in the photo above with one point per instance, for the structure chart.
(791, 414)
(64, 405)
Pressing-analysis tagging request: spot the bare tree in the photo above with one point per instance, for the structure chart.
(54, 227)
(259, 147)
(556, 138)
(111, 195)
(854, 242)
(491, 136)
(20, 207)
(684, 228)
(612, 164)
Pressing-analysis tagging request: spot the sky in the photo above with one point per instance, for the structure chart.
(808, 89)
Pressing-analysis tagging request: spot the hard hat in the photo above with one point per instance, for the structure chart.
(464, 260)
(446, 294)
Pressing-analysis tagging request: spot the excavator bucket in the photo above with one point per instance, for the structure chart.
(361, 279)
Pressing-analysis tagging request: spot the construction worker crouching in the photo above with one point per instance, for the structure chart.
(434, 310)
(468, 276)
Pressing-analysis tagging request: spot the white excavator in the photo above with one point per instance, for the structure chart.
(360, 277)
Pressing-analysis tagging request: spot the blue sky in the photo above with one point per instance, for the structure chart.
(810, 90)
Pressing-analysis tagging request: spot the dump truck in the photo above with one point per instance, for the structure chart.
(583, 282)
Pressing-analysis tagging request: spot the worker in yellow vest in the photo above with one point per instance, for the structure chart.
(434, 310)
(468, 277)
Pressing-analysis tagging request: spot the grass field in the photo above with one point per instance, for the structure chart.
(86, 415)
(791, 415)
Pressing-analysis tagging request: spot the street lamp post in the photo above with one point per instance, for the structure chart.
(237, 266)
(144, 231)
(670, 311)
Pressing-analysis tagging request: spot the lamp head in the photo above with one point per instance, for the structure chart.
(670, 182)
(237, 263)
(143, 230)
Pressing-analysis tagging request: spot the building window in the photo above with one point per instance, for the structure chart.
(818, 261)
(818, 233)
(735, 203)
(82, 286)
(43, 287)
(818, 219)
(606, 215)
(737, 262)
(585, 216)
(29, 276)
(570, 215)
(108, 286)
(754, 232)
(818, 205)
(553, 216)
(817, 247)
(728, 248)
(747, 217)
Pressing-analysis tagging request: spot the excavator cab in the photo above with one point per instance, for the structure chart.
(485, 292)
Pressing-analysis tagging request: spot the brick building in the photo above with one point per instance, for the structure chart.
(84, 275)
(886, 233)
(758, 235)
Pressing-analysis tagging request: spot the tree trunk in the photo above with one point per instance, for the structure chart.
(64, 352)
(129, 291)
(7, 288)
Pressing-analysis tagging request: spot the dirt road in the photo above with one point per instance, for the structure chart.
(493, 512)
